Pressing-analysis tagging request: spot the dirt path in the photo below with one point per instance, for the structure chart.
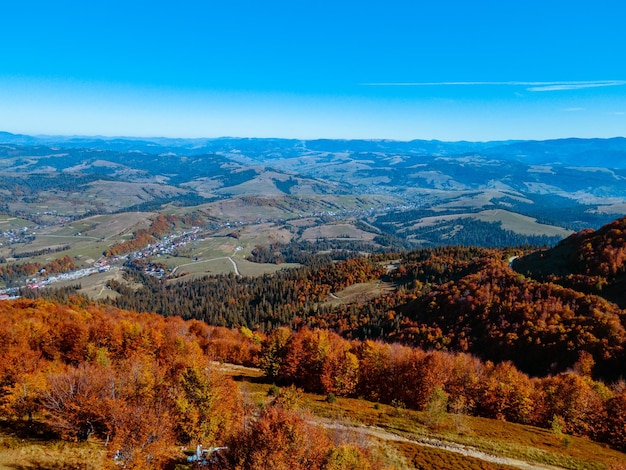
(439, 444)
(234, 266)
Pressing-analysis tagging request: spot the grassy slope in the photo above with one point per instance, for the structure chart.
(360, 419)
(499, 438)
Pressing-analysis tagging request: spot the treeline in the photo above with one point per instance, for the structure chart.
(552, 209)
(472, 232)
(26, 186)
(179, 200)
(323, 362)
(45, 251)
(500, 315)
(264, 303)
(145, 385)
(464, 230)
(481, 306)
(306, 252)
(10, 274)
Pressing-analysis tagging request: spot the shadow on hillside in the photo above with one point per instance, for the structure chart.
(22, 429)
(246, 378)
(31, 464)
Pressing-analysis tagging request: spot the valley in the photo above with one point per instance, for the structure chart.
(80, 196)
(404, 304)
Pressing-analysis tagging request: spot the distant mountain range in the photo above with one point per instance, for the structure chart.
(426, 192)
(609, 153)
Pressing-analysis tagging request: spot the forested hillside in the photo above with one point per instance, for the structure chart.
(448, 299)
(590, 261)
(144, 384)
(455, 328)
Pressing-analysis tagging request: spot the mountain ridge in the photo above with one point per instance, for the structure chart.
(535, 149)
(593, 261)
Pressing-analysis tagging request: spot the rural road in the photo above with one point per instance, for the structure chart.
(382, 434)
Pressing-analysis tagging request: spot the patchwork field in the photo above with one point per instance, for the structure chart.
(514, 222)
(337, 230)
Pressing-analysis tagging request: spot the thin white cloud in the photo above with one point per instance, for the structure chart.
(530, 86)
(619, 113)
(576, 85)
(573, 110)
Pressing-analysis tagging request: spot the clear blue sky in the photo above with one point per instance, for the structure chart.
(450, 70)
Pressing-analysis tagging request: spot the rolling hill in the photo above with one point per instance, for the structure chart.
(590, 260)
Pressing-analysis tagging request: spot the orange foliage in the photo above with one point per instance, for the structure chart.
(284, 440)
(142, 381)
(100, 371)
(16, 271)
(320, 361)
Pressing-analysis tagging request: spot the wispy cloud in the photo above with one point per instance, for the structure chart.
(530, 86)
(573, 110)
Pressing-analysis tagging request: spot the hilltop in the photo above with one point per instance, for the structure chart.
(592, 261)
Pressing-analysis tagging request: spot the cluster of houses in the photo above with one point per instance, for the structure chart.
(17, 235)
(69, 276)
(9, 294)
(167, 245)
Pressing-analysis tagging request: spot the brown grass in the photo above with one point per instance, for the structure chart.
(425, 457)
(359, 293)
(342, 230)
(22, 449)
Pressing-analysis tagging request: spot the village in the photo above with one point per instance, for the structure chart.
(166, 246)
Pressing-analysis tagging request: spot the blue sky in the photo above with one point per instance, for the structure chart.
(449, 70)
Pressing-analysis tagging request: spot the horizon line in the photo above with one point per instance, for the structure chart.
(372, 139)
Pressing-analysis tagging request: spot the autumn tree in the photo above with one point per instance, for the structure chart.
(74, 400)
(143, 432)
(274, 353)
(579, 401)
(280, 440)
(207, 406)
(615, 430)
(506, 394)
